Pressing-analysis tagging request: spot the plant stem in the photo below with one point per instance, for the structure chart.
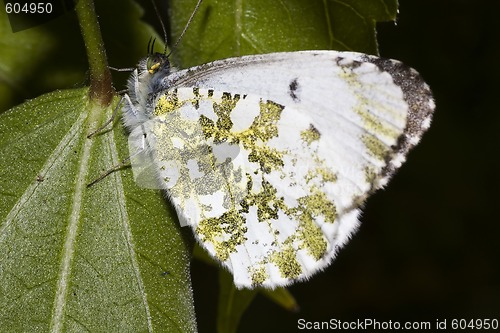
(101, 88)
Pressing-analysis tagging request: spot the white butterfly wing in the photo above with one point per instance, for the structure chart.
(316, 132)
(327, 85)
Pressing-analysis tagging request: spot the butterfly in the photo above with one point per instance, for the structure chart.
(268, 158)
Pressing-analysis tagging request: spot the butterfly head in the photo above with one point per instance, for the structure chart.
(157, 62)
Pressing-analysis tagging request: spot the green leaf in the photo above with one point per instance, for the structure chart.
(106, 258)
(224, 28)
(232, 303)
(200, 254)
(19, 64)
(52, 56)
(283, 298)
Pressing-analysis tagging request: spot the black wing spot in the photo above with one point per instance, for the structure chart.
(294, 90)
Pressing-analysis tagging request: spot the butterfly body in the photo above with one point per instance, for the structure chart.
(269, 157)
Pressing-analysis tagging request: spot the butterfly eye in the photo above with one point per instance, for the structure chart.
(153, 64)
(156, 62)
(153, 68)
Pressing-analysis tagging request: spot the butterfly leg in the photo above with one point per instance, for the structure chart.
(123, 164)
(110, 120)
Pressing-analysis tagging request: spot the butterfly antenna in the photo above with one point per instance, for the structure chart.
(153, 46)
(162, 25)
(185, 28)
(149, 44)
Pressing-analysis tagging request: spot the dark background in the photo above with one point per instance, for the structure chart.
(429, 245)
